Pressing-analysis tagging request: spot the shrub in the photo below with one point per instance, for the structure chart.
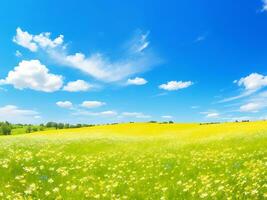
(28, 129)
(34, 129)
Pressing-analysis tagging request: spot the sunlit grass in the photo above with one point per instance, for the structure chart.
(137, 161)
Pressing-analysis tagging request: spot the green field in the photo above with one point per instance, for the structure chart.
(137, 161)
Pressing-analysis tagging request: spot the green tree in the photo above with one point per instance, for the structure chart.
(67, 126)
(6, 129)
(28, 129)
(34, 129)
(60, 125)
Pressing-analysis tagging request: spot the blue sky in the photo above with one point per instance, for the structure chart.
(97, 62)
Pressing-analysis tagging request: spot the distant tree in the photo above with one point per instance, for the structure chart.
(60, 125)
(78, 125)
(49, 124)
(6, 128)
(171, 122)
(28, 129)
(66, 125)
(34, 129)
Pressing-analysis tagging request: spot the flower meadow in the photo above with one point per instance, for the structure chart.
(137, 161)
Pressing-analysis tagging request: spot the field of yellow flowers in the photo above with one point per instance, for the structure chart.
(137, 161)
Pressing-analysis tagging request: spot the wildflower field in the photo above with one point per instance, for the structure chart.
(137, 161)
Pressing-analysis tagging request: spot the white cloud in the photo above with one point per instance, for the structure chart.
(33, 75)
(102, 68)
(175, 85)
(250, 84)
(213, 115)
(253, 82)
(264, 6)
(92, 104)
(140, 42)
(251, 107)
(96, 64)
(43, 40)
(77, 86)
(24, 39)
(136, 81)
(14, 114)
(108, 113)
(64, 104)
(200, 38)
(135, 114)
(244, 94)
(18, 54)
(33, 42)
(111, 113)
(166, 117)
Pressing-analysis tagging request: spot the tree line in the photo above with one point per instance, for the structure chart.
(6, 127)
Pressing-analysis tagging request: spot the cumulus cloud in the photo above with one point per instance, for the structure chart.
(77, 86)
(250, 84)
(251, 107)
(34, 42)
(100, 67)
(92, 104)
(64, 104)
(24, 39)
(43, 40)
(253, 82)
(175, 85)
(14, 114)
(136, 81)
(33, 75)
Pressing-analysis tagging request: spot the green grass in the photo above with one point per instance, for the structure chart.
(17, 130)
(137, 161)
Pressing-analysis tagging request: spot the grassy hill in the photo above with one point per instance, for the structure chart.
(137, 161)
